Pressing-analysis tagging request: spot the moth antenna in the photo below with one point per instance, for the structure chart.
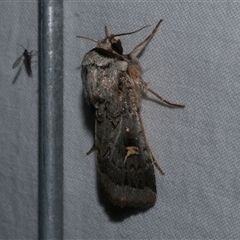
(106, 31)
(121, 34)
(143, 43)
(91, 39)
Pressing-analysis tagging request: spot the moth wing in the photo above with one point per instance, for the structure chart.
(125, 165)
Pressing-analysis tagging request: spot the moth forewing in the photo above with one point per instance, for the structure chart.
(113, 84)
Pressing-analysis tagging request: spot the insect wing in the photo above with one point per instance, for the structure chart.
(125, 166)
(16, 63)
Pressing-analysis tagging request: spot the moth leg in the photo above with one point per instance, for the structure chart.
(154, 162)
(92, 149)
(165, 101)
(174, 105)
(157, 165)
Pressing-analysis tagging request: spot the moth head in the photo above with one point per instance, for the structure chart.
(115, 40)
(116, 44)
(112, 42)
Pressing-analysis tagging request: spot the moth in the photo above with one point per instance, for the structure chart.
(27, 62)
(113, 84)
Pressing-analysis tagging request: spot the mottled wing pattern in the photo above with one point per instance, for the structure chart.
(125, 165)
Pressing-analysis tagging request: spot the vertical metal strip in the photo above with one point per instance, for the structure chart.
(51, 119)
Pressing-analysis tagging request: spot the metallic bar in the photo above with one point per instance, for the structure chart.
(51, 119)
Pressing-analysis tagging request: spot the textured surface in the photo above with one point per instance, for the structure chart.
(193, 59)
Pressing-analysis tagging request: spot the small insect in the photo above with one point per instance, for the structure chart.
(27, 58)
(113, 84)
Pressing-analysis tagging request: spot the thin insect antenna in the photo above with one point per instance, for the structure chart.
(121, 34)
(142, 44)
(22, 47)
(91, 39)
(106, 31)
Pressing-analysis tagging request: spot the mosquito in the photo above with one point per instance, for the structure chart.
(27, 62)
